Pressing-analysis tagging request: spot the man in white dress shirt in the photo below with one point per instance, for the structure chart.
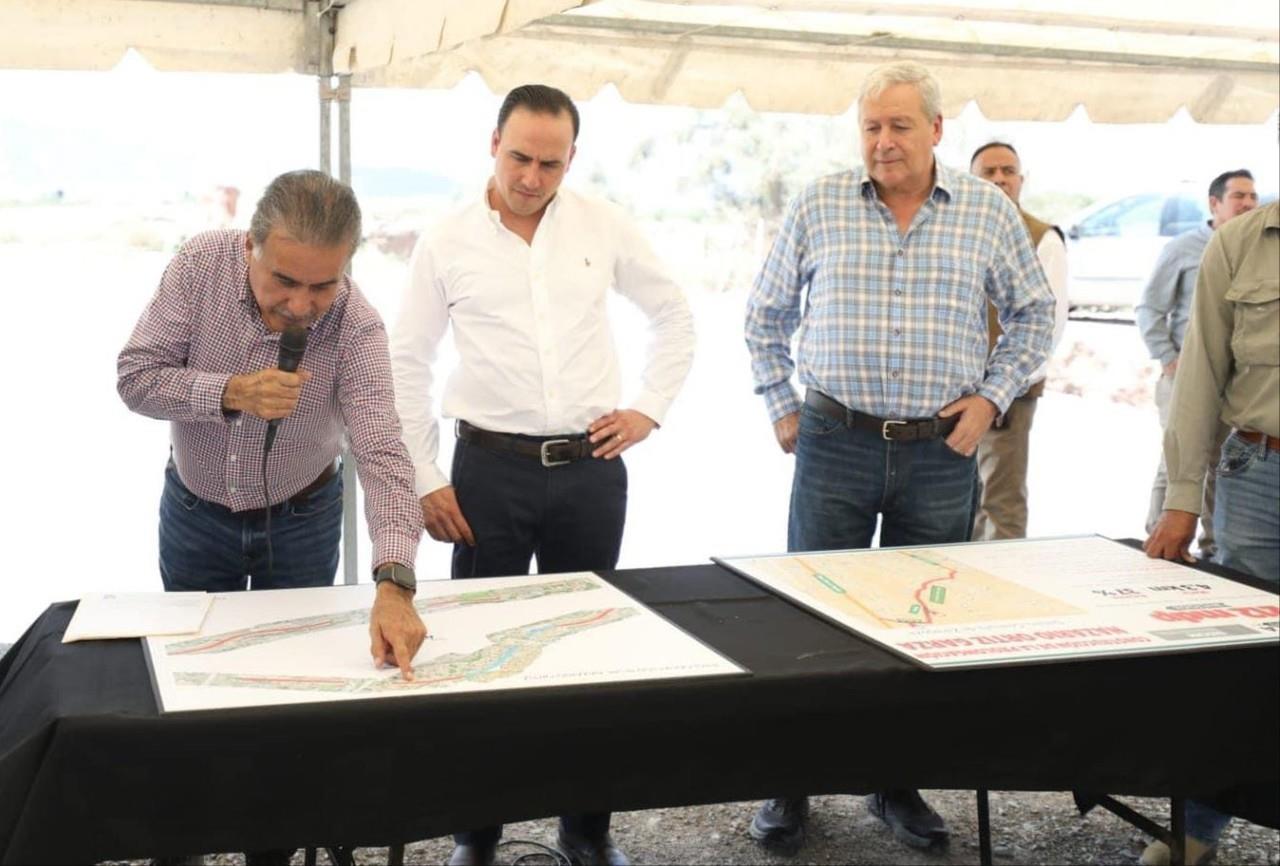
(522, 274)
(1004, 450)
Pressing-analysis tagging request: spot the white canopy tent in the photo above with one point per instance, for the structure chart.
(1140, 61)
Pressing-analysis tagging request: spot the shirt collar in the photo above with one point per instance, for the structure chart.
(246, 293)
(495, 218)
(944, 180)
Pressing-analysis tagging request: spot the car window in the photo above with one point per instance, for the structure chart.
(1133, 216)
(1182, 214)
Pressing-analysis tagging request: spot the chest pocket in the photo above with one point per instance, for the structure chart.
(1255, 333)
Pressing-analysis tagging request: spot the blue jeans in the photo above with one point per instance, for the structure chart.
(1246, 517)
(1246, 523)
(207, 546)
(924, 492)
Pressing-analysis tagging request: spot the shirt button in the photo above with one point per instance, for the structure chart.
(233, 457)
(897, 332)
(901, 253)
(894, 374)
(232, 489)
(897, 291)
(239, 421)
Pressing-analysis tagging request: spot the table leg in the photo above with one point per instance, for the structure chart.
(984, 829)
(1177, 831)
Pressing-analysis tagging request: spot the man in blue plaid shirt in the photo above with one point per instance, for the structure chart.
(898, 258)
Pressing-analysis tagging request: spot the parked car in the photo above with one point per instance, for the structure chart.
(1113, 245)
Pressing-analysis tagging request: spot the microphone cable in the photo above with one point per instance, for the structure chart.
(293, 343)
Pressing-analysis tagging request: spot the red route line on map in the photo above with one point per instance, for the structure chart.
(601, 615)
(928, 615)
(236, 635)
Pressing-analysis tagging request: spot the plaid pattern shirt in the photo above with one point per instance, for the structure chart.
(895, 326)
(202, 327)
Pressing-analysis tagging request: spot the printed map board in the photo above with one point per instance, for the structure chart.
(309, 645)
(993, 603)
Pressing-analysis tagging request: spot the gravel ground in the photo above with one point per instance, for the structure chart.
(1026, 828)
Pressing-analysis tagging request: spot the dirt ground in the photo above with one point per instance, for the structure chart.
(1026, 828)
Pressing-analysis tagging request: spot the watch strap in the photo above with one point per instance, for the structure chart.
(401, 575)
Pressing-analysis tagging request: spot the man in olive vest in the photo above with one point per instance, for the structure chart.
(1003, 451)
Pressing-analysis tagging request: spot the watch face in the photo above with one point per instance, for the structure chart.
(397, 574)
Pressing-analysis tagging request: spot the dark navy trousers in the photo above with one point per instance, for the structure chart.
(567, 518)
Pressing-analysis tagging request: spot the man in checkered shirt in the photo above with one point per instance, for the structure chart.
(886, 271)
(204, 356)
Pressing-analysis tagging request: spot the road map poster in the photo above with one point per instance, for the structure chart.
(309, 645)
(993, 603)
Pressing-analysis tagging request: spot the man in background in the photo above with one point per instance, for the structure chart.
(1004, 450)
(1162, 315)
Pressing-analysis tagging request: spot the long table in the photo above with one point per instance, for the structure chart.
(89, 769)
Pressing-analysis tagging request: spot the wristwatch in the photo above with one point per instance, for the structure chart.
(401, 575)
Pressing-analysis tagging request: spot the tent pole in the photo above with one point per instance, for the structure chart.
(336, 89)
(350, 531)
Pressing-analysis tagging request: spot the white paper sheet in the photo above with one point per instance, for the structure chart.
(106, 615)
(312, 645)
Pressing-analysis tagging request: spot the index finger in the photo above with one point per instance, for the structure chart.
(404, 657)
(602, 420)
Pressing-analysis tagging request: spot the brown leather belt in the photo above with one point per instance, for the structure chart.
(551, 450)
(908, 430)
(1273, 442)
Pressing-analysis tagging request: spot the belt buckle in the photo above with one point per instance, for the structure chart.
(546, 460)
(884, 428)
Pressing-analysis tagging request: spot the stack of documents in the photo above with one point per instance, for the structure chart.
(137, 614)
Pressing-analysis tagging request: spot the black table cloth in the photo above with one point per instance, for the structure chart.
(90, 770)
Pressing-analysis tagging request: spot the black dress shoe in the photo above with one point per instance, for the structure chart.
(472, 855)
(912, 820)
(582, 851)
(779, 824)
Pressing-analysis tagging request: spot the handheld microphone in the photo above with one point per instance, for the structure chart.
(293, 343)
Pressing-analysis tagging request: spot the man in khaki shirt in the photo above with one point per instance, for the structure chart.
(1229, 370)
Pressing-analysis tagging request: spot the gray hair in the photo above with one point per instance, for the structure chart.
(309, 206)
(904, 72)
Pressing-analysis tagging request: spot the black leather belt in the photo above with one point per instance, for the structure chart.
(296, 499)
(302, 495)
(551, 450)
(908, 430)
(324, 478)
